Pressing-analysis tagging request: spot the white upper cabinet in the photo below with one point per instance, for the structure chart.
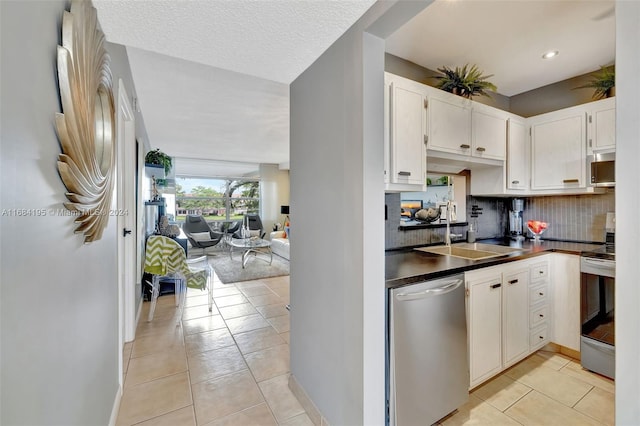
(405, 155)
(601, 128)
(449, 122)
(517, 154)
(488, 132)
(558, 150)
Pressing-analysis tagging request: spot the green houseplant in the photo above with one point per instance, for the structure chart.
(603, 81)
(466, 81)
(159, 158)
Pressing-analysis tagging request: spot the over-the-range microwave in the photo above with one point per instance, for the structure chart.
(601, 169)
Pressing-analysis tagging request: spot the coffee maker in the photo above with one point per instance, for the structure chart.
(515, 219)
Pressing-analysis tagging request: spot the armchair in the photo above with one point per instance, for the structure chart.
(199, 233)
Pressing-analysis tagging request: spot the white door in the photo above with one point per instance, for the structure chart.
(558, 149)
(489, 132)
(126, 216)
(517, 155)
(407, 155)
(449, 123)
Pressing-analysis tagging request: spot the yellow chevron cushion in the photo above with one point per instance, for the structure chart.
(165, 256)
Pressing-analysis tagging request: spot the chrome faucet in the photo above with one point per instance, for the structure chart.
(448, 235)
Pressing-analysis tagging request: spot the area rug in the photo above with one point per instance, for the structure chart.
(231, 271)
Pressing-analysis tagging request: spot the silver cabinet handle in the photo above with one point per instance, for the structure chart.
(448, 287)
(404, 173)
(515, 182)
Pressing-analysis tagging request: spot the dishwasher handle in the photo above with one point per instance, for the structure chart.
(438, 291)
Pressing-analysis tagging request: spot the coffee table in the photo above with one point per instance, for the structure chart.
(250, 245)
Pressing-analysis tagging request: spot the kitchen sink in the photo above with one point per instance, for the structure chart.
(472, 251)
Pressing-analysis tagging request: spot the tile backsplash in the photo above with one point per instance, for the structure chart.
(570, 217)
(574, 217)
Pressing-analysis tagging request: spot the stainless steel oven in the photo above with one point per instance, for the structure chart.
(597, 313)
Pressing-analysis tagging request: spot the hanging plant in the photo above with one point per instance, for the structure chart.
(603, 81)
(466, 81)
(159, 158)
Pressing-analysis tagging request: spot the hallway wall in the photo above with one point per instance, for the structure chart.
(58, 297)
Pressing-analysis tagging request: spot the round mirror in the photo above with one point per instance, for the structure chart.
(104, 139)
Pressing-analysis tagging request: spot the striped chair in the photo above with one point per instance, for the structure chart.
(165, 258)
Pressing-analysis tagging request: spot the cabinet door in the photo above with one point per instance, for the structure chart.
(566, 300)
(489, 132)
(558, 150)
(449, 123)
(408, 157)
(602, 125)
(517, 155)
(515, 313)
(485, 337)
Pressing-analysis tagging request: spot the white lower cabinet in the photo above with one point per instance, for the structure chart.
(504, 308)
(515, 308)
(484, 302)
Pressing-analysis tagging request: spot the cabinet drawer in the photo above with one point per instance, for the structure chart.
(538, 294)
(538, 316)
(538, 337)
(539, 271)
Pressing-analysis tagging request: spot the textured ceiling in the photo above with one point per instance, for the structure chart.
(274, 39)
(212, 76)
(507, 39)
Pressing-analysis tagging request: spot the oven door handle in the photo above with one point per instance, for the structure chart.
(602, 347)
(599, 263)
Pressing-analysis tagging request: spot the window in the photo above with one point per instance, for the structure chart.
(217, 199)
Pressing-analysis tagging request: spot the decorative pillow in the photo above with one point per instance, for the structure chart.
(201, 236)
(286, 232)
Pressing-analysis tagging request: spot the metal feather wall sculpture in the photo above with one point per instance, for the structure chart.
(86, 128)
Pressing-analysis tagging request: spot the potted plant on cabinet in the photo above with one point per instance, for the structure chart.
(159, 158)
(604, 82)
(466, 81)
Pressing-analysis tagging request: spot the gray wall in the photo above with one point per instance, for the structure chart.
(59, 305)
(412, 71)
(337, 261)
(627, 207)
(562, 94)
(544, 99)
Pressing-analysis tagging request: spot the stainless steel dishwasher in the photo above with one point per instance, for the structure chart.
(428, 367)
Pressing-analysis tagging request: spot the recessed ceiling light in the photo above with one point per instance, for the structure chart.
(550, 54)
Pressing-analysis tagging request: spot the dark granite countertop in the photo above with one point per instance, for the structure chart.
(409, 266)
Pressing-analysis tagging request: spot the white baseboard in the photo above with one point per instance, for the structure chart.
(116, 407)
(312, 411)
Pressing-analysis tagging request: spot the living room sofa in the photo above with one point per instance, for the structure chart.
(280, 244)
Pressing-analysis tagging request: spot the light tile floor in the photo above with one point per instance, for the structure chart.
(231, 367)
(227, 367)
(544, 389)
